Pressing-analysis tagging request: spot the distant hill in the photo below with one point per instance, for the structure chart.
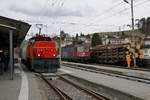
(126, 32)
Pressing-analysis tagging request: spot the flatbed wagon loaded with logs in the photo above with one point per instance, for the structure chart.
(115, 54)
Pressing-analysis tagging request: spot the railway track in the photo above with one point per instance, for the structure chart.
(67, 90)
(147, 69)
(123, 67)
(110, 73)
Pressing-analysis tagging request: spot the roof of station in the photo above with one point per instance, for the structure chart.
(19, 29)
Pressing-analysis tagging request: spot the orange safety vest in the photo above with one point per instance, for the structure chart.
(128, 59)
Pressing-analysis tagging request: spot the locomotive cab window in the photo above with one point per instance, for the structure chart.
(32, 41)
(86, 49)
(80, 49)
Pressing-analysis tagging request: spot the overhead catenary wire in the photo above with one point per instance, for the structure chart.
(107, 17)
(144, 1)
(106, 12)
(110, 16)
(103, 13)
(123, 10)
(55, 3)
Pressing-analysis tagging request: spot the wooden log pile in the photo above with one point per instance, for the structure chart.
(113, 53)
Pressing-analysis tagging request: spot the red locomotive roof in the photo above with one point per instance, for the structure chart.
(41, 38)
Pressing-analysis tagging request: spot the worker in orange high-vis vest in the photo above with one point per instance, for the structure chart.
(128, 59)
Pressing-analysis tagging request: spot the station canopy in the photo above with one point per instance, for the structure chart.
(19, 29)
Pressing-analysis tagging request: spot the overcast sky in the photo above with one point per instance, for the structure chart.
(74, 16)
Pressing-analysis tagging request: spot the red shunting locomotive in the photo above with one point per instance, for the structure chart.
(41, 54)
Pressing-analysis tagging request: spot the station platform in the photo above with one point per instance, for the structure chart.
(136, 89)
(24, 85)
(137, 73)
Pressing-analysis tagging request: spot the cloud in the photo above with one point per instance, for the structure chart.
(51, 12)
(42, 8)
(73, 16)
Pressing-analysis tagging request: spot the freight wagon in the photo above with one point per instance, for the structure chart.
(67, 53)
(110, 54)
(116, 54)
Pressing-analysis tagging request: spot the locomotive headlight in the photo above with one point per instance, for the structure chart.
(38, 54)
(54, 55)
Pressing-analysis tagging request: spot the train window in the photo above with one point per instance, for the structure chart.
(86, 49)
(46, 39)
(32, 41)
(37, 39)
(80, 49)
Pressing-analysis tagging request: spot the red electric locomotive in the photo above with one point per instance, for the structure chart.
(78, 53)
(41, 54)
(81, 53)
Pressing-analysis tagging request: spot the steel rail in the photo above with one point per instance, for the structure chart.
(123, 67)
(60, 93)
(117, 66)
(112, 73)
(89, 92)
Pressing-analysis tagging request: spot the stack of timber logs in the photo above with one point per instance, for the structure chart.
(115, 53)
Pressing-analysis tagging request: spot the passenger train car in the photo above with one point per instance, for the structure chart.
(40, 54)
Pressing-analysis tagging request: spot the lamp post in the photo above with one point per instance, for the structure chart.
(133, 36)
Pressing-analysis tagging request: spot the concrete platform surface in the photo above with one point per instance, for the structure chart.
(10, 89)
(134, 88)
(143, 74)
(24, 86)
